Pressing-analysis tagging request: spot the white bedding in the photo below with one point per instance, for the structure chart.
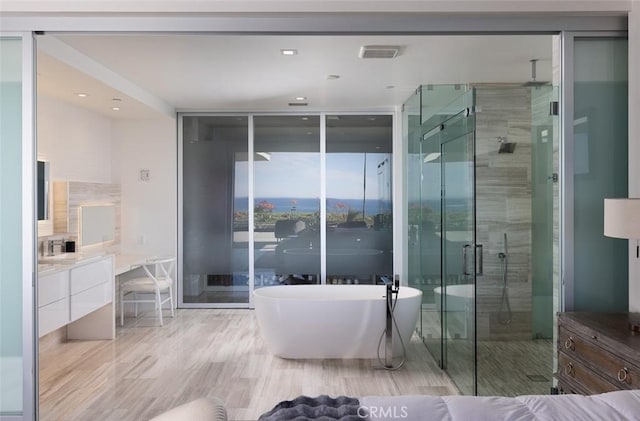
(613, 406)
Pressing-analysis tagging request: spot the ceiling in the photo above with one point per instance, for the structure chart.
(236, 73)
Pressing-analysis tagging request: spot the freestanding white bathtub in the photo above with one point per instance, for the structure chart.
(332, 321)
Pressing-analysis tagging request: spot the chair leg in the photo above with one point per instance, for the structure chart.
(135, 297)
(121, 307)
(159, 307)
(171, 300)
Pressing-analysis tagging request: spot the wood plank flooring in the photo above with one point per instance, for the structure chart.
(220, 353)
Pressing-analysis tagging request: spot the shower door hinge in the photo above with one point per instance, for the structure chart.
(554, 108)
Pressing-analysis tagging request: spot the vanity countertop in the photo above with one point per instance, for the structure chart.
(51, 264)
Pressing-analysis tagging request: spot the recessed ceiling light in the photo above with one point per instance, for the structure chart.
(309, 133)
(333, 77)
(115, 108)
(372, 119)
(305, 118)
(82, 94)
(288, 52)
(301, 98)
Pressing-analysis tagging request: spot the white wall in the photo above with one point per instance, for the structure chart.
(149, 208)
(634, 145)
(77, 142)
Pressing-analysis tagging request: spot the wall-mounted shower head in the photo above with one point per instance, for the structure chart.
(506, 147)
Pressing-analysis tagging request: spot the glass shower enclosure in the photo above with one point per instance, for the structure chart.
(482, 217)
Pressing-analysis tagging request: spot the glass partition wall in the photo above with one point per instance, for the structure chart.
(11, 271)
(253, 187)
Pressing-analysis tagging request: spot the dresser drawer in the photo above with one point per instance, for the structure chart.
(612, 367)
(574, 371)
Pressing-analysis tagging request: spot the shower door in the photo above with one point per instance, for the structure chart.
(459, 266)
(448, 145)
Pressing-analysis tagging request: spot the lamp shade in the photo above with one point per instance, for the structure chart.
(622, 218)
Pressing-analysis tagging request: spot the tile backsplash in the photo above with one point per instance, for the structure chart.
(68, 198)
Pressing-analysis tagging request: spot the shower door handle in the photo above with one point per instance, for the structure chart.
(480, 260)
(465, 264)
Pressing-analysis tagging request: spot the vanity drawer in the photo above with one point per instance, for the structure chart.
(92, 274)
(92, 299)
(53, 287)
(53, 316)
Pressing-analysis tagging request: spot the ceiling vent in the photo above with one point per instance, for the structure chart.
(379, 51)
(298, 104)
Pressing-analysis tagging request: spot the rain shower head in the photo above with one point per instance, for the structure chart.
(533, 83)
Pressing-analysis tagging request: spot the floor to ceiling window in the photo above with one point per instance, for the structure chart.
(359, 217)
(215, 218)
(253, 187)
(286, 202)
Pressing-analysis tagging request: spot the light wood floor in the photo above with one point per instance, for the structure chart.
(149, 369)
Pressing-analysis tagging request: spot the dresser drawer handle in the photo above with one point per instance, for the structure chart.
(569, 344)
(568, 370)
(623, 374)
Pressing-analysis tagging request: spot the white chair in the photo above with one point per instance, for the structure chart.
(158, 282)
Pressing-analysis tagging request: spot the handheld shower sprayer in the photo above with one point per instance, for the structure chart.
(504, 313)
(392, 287)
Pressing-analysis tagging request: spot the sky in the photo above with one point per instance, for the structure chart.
(297, 174)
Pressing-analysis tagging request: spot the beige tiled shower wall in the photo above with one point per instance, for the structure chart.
(503, 192)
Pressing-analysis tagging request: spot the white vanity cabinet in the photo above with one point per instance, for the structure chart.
(53, 302)
(91, 287)
(81, 297)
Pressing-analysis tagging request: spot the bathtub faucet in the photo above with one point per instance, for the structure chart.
(393, 287)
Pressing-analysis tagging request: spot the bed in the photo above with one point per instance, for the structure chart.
(612, 406)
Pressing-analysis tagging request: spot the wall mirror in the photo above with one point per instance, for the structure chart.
(97, 224)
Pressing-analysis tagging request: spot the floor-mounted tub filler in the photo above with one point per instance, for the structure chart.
(332, 321)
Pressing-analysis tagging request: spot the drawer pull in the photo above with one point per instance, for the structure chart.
(569, 344)
(623, 374)
(568, 370)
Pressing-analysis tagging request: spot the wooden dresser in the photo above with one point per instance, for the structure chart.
(597, 353)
